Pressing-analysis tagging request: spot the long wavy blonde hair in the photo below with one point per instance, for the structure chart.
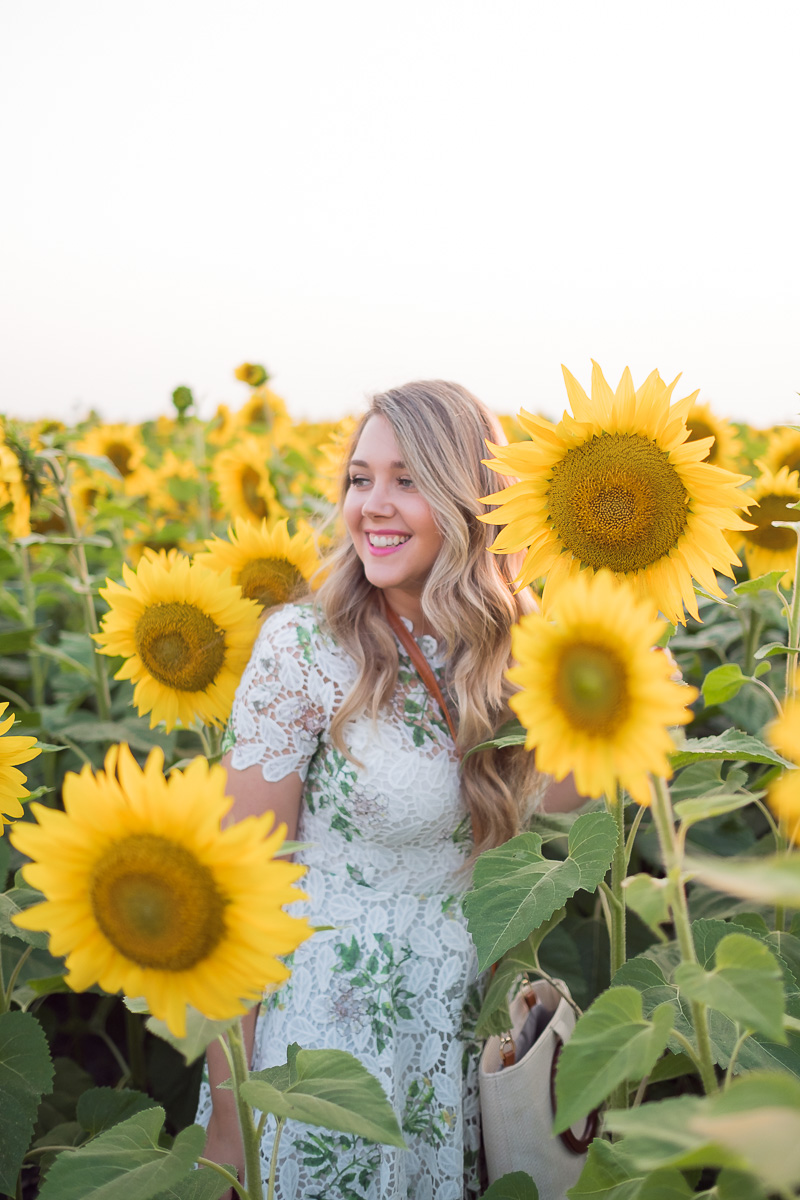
(468, 598)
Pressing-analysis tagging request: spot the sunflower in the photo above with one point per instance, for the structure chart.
(122, 444)
(783, 450)
(268, 565)
(784, 793)
(186, 634)
(767, 547)
(596, 698)
(13, 751)
(14, 492)
(334, 454)
(726, 448)
(618, 485)
(252, 373)
(242, 477)
(155, 900)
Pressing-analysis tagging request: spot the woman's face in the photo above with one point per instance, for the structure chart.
(391, 525)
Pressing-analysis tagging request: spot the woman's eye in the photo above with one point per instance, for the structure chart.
(358, 480)
(406, 483)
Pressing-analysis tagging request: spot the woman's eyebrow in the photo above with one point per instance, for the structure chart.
(359, 462)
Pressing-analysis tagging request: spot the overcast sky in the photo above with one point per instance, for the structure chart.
(357, 194)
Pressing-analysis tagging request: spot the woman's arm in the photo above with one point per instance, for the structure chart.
(252, 796)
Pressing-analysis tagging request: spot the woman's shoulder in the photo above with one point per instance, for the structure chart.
(296, 626)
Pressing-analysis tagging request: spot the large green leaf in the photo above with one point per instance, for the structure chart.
(613, 1042)
(754, 1125)
(100, 1108)
(517, 1185)
(516, 888)
(330, 1088)
(494, 1016)
(701, 808)
(746, 985)
(770, 880)
(26, 1074)
(124, 1163)
(205, 1184)
(609, 1175)
(769, 581)
(742, 747)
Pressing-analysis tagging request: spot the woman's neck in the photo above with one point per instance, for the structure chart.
(410, 609)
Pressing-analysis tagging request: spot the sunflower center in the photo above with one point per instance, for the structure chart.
(120, 455)
(772, 508)
(180, 645)
(156, 903)
(617, 501)
(269, 580)
(591, 688)
(250, 480)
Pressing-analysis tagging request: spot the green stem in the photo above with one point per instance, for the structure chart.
(273, 1162)
(12, 983)
(134, 1030)
(247, 1125)
(740, 1041)
(619, 866)
(86, 590)
(751, 641)
(637, 820)
(665, 827)
(230, 1179)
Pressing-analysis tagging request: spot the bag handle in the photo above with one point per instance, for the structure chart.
(422, 667)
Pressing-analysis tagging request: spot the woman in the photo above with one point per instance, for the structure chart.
(333, 729)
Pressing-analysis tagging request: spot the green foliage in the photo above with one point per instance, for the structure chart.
(515, 1186)
(26, 1074)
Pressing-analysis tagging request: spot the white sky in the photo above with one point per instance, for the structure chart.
(357, 194)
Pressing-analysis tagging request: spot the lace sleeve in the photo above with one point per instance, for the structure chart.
(281, 707)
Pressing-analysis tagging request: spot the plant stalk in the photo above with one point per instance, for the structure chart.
(239, 1075)
(273, 1162)
(619, 866)
(665, 827)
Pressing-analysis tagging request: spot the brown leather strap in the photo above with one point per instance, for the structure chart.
(422, 667)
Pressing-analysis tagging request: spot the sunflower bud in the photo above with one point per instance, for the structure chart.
(183, 400)
(252, 373)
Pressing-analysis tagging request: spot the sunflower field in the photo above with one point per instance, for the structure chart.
(660, 674)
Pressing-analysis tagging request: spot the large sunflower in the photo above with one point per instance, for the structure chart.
(186, 634)
(596, 698)
(726, 448)
(13, 752)
(618, 486)
(242, 477)
(153, 899)
(268, 565)
(767, 547)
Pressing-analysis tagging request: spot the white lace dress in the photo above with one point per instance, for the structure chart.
(395, 981)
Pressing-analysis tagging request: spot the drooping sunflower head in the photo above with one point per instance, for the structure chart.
(595, 696)
(784, 792)
(14, 751)
(252, 373)
(155, 900)
(619, 486)
(783, 450)
(186, 634)
(726, 448)
(766, 546)
(242, 477)
(268, 565)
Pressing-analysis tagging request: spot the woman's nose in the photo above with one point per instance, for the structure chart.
(378, 502)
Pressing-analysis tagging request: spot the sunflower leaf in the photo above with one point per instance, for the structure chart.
(512, 733)
(609, 1175)
(746, 985)
(200, 1033)
(331, 1088)
(732, 744)
(612, 1043)
(26, 1074)
(516, 1185)
(516, 889)
(773, 879)
(723, 683)
(124, 1163)
(770, 649)
(762, 583)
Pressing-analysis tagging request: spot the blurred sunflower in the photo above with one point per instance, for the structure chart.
(334, 453)
(784, 793)
(186, 634)
(252, 373)
(122, 444)
(726, 448)
(243, 480)
(767, 547)
(269, 566)
(13, 752)
(13, 491)
(618, 486)
(783, 450)
(155, 900)
(596, 698)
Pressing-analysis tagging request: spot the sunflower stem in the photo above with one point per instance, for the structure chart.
(247, 1124)
(86, 589)
(754, 627)
(273, 1162)
(12, 983)
(664, 820)
(619, 866)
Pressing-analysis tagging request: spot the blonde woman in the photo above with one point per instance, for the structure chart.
(334, 730)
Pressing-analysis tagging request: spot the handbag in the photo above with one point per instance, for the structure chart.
(518, 1096)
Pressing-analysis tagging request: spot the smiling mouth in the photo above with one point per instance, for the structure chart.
(381, 540)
